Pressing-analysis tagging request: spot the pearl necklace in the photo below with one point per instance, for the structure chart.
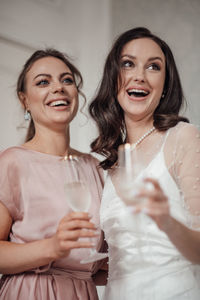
(142, 137)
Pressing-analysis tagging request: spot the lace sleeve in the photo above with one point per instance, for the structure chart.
(187, 172)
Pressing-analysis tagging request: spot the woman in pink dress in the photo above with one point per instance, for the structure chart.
(41, 239)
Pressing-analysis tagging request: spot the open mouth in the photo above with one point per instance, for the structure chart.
(58, 103)
(139, 93)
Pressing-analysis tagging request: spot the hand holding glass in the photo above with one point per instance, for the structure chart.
(79, 197)
(129, 180)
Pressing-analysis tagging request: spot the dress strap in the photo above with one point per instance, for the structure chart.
(164, 139)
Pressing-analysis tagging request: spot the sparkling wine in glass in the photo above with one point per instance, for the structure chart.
(79, 198)
(127, 175)
(74, 190)
(128, 180)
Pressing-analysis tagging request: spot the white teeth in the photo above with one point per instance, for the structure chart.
(138, 91)
(58, 102)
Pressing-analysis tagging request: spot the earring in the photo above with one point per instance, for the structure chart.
(27, 115)
(163, 95)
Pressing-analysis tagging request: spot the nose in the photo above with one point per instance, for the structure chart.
(57, 87)
(139, 74)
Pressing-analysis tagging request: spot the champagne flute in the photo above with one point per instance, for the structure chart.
(129, 176)
(79, 197)
(129, 180)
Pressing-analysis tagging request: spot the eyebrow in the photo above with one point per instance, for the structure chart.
(150, 59)
(48, 75)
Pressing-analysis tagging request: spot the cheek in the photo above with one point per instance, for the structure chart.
(75, 93)
(123, 79)
(158, 84)
(121, 86)
(75, 103)
(35, 97)
(121, 98)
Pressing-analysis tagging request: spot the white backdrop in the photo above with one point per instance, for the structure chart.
(85, 29)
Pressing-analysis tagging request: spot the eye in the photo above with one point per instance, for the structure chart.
(42, 82)
(125, 64)
(154, 67)
(68, 80)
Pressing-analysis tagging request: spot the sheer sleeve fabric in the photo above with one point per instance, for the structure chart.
(185, 168)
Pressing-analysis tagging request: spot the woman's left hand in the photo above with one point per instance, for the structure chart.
(156, 205)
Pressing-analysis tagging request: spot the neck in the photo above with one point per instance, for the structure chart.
(135, 130)
(50, 142)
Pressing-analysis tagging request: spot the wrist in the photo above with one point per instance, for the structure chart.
(49, 250)
(168, 225)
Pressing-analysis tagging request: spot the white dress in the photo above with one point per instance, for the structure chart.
(161, 272)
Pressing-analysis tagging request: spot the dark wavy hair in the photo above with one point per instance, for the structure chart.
(108, 114)
(21, 82)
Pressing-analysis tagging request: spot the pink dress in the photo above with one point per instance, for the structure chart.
(32, 188)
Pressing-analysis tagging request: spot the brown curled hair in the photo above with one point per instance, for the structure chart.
(107, 112)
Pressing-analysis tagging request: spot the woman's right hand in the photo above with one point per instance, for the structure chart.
(20, 257)
(73, 226)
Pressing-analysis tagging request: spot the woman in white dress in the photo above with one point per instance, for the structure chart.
(138, 101)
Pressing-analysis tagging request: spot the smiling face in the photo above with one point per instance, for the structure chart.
(51, 94)
(142, 78)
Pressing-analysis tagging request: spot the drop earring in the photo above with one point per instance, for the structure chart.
(27, 115)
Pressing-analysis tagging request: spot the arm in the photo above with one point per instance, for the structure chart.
(186, 240)
(186, 173)
(16, 258)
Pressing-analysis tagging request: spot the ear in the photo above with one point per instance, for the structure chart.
(23, 100)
